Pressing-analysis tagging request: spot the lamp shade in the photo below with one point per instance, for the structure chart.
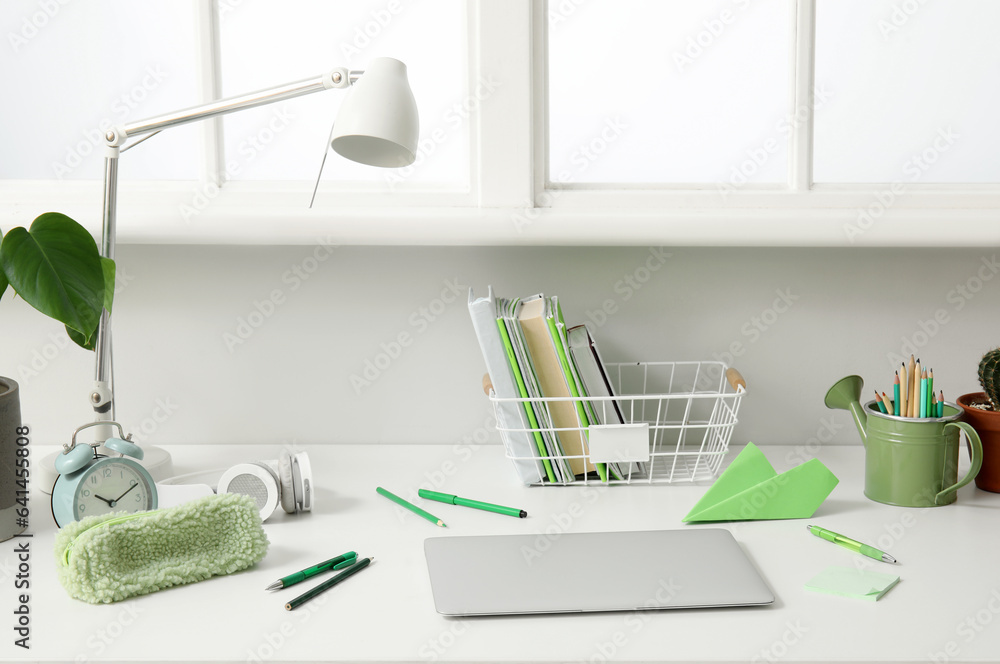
(377, 124)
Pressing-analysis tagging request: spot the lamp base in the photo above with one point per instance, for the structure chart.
(155, 459)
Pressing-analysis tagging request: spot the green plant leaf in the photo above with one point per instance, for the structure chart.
(82, 341)
(109, 282)
(56, 268)
(3, 276)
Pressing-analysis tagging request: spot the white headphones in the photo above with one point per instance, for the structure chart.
(286, 480)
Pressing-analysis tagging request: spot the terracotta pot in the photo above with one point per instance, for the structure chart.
(987, 425)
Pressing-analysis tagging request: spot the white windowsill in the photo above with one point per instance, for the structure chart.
(255, 214)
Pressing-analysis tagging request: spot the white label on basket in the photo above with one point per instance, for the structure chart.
(612, 443)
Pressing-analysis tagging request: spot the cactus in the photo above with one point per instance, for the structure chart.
(989, 367)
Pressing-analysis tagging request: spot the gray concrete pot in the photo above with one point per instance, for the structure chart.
(10, 420)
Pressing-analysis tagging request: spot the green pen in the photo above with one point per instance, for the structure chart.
(853, 545)
(465, 502)
(341, 561)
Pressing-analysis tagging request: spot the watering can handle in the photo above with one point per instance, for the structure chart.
(976, 455)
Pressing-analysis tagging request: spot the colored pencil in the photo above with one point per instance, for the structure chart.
(904, 390)
(941, 404)
(923, 393)
(931, 412)
(410, 506)
(878, 402)
(895, 394)
(915, 386)
(888, 404)
(909, 387)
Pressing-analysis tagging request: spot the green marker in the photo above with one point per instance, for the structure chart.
(340, 562)
(410, 506)
(465, 502)
(853, 545)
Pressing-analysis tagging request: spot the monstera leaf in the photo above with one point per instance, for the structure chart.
(56, 268)
(3, 278)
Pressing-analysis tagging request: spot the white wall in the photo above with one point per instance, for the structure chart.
(290, 380)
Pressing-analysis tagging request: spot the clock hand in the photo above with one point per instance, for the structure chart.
(126, 491)
(111, 503)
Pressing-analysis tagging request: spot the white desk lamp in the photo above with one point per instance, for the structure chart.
(376, 125)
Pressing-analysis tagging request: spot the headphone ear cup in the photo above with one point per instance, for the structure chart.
(288, 498)
(256, 480)
(302, 482)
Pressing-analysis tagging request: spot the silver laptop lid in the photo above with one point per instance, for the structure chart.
(623, 571)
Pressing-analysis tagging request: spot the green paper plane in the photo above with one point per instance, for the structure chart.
(750, 489)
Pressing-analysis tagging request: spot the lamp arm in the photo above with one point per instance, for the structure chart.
(102, 394)
(336, 78)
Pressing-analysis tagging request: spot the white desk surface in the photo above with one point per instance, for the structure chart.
(945, 608)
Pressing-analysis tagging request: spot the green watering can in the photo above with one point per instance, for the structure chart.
(910, 462)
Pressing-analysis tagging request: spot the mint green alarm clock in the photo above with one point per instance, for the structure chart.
(90, 483)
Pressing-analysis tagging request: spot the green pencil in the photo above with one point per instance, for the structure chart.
(930, 393)
(895, 394)
(410, 506)
(922, 410)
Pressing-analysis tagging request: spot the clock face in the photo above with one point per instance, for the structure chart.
(113, 485)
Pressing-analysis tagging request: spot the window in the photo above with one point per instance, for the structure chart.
(85, 67)
(68, 93)
(913, 89)
(669, 92)
(306, 35)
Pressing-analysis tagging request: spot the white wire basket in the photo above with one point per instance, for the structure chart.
(669, 422)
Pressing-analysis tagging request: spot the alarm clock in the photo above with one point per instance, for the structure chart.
(90, 483)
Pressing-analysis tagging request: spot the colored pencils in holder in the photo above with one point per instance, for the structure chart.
(913, 393)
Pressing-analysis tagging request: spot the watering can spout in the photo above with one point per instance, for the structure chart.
(846, 395)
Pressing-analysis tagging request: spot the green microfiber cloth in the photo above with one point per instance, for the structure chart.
(112, 557)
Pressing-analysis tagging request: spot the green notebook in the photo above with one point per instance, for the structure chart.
(557, 330)
(523, 391)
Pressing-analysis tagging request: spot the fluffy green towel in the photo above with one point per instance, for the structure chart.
(108, 558)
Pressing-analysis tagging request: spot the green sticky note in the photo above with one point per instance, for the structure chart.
(851, 582)
(750, 489)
